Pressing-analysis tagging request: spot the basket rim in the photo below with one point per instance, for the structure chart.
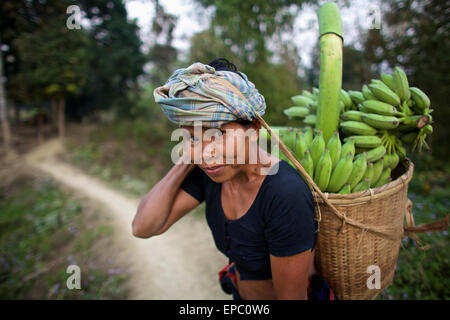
(372, 193)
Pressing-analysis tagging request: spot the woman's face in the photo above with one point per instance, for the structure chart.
(222, 152)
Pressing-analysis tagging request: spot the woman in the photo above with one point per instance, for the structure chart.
(261, 213)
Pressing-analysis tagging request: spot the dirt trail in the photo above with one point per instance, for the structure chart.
(180, 264)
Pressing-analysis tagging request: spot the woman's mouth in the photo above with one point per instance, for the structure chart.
(214, 170)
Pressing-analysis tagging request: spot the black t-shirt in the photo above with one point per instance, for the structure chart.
(280, 221)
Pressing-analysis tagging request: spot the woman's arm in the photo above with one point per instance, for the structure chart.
(290, 275)
(164, 204)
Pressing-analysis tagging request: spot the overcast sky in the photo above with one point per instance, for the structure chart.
(192, 19)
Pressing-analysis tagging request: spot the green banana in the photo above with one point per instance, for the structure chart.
(301, 101)
(347, 147)
(384, 178)
(378, 107)
(308, 134)
(383, 93)
(341, 173)
(322, 172)
(346, 99)
(368, 95)
(401, 151)
(296, 112)
(386, 161)
(388, 80)
(317, 146)
(310, 119)
(356, 96)
(352, 115)
(394, 161)
(308, 94)
(307, 163)
(346, 189)
(362, 185)
(334, 145)
(365, 141)
(356, 127)
(380, 122)
(300, 145)
(417, 121)
(428, 129)
(369, 172)
(358, 170)
(421, 100)
(377, 170)
(401, 85)
(289, 139)
(376, 153)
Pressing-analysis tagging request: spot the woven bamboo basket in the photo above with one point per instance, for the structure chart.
(358, 231)
(345, 251)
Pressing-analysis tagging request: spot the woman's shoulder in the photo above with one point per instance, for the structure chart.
(286, 185)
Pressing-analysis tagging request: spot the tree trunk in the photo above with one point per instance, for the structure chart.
(6, 131)
(61, 120)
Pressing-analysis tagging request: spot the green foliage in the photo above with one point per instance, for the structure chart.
(425, 274)
(54, 60)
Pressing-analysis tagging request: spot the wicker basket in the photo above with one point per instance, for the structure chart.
(344, 252)
(358, 230)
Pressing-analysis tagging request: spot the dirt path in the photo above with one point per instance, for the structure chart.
(181, 264)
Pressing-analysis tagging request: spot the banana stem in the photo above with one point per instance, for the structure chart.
(330, 76)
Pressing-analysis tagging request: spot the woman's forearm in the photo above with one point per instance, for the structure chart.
(155, 207)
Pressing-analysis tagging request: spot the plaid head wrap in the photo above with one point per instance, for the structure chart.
(198, 93)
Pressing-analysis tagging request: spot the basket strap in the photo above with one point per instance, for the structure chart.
(387, 232)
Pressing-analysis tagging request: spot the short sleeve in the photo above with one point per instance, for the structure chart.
(194, 184)
(290, 224)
